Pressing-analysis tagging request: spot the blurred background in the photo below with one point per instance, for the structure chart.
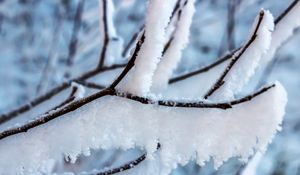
(46, 42)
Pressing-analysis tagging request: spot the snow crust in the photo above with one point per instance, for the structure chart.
(116, 122)
(245, 67)
(157, 18)
(172, 56)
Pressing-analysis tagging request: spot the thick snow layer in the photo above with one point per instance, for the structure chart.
(116, 122)
(157, 18)
(245, 67)
(172, 56)
(283, 31)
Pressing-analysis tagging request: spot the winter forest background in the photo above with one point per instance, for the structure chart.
(44, 43)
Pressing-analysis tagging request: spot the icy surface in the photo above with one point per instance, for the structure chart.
(221, 134)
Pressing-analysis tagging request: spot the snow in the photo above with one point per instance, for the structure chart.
(245, 67)
(218, 134)
(172, 56)
(140, 79)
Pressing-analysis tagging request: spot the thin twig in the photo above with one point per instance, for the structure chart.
(202, 69)
(124, 167)
(128, 165)
(286, 11)
(106, 35)
(221, 81)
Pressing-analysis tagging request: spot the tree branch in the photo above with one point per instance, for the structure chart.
(200, 104)
(109, 91)
(203, 69)
(286, 11)
(221, 81)
(106, 35)
(125, 167)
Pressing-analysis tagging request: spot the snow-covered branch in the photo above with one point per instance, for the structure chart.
(155, 123)
(244, 62)
(173, 53)
(140, 79)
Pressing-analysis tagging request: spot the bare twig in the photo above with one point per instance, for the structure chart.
(106, 35)
(221, 81)
(286, 11)
(128, 165)
(203, 69)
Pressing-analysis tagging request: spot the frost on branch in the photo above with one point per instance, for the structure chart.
(116, 122)
(173, 54)
(157, 18)
(245, 61)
